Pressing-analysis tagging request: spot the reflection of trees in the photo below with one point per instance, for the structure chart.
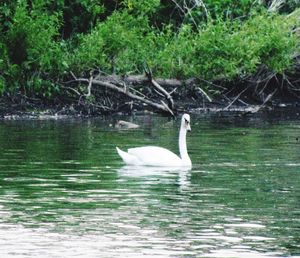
(246, 139)
(45, 140)
(47, 167)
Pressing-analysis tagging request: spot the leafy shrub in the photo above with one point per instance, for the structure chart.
(40, 40)
(270, 38)
(30, 35)
(230, 49)
(141, 6)
(31, 45)
(107, 44)
(7, 9)
(219, 50)
(9, 73)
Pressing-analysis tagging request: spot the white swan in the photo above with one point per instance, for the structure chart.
(160, 157)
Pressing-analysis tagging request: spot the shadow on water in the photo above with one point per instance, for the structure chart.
(64, 191)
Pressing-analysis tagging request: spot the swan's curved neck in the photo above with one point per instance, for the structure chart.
(182, 147)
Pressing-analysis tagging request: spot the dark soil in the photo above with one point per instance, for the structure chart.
(192, 101)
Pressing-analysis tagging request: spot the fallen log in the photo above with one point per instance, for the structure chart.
(125, 91)
(142, 80)
(138, 88)
(137, 80)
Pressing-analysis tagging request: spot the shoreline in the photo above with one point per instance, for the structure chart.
(111, 95)
(58, 112)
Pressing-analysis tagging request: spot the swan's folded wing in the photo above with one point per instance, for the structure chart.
(155, 156)
(128, 158)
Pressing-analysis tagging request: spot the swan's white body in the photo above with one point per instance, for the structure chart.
(160, 157)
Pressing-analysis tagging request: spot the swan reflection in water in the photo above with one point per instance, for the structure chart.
(148, 173)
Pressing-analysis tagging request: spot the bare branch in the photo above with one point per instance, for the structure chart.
(161, 89)
(167, 107)
(89, 87)
(127, 93)
(236, 98)
(204, 94)
(73, 75)
(276, 5)
(70, 88)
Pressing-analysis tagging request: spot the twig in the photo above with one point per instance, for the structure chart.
(158, 87)
(167, 107)
(172, 91)
(158, 93)
(161, 89)
(101, 106)
(269, 97)
(73, 75)
(212, 84)
(138, 92)
(288, 81)
(275, 5)
(204, 94)
(237, 97)
(167, 95)
(70, 88)
(243, 102)
(89, 87)
(266, 84)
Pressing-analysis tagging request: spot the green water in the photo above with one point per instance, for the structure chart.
(64, 192)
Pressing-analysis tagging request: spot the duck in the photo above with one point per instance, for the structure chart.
(124, 125)
(158, 156)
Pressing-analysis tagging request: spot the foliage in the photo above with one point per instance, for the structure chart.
(229, 49)
(42, 41)
(31, 46)
(105, 45)
(288, 6)
(6, 13)
(231, 9)
(141, 6)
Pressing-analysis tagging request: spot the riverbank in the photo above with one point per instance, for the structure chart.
(99, 95)
(195, 102)
(147, 56)
(59, 55)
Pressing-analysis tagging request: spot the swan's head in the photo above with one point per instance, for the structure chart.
(185, 122)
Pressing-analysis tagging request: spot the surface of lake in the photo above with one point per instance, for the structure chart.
(64, 192)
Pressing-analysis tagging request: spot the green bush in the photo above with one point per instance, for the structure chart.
(9, 73)
(230, 49)
(108, 44)
(141, 6)
(7, 9)
(270, 39)
(42, 41)
(219, 50)
(30, 35)
(32, 47)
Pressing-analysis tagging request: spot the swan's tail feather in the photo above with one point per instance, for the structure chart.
(127, 158)
(122, 154)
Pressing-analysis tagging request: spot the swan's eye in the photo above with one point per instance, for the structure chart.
(186, 121)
